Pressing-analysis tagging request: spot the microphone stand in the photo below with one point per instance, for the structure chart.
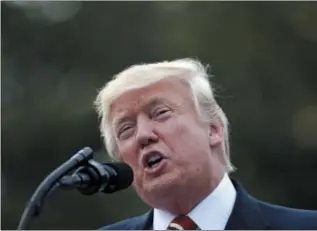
(50, 183)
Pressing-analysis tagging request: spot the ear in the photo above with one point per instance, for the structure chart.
(215, 134)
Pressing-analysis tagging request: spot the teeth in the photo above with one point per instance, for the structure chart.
(154, 159)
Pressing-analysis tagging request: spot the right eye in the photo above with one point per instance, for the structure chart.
(125, 130)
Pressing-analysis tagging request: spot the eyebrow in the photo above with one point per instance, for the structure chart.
(152, 102)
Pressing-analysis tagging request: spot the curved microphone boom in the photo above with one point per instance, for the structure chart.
(49, 184)
(95, 177)
(85, 174)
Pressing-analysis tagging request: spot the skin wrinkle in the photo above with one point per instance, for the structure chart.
(146, 106)
(192, 151)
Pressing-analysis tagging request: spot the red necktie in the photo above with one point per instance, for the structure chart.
(182, 223)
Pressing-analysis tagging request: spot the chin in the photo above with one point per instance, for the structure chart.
(163, 185)
(161, 195)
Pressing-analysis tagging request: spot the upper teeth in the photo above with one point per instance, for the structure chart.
(154, 158)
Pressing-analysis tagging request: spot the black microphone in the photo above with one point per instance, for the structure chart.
(95, 177)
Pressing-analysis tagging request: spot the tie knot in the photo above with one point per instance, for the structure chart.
(182, 223)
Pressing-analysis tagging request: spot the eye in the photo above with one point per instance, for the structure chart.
(161, 112)
(124, 130)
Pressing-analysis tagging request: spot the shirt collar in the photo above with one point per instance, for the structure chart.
(212, 213)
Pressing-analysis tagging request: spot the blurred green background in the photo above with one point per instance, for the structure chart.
(56, 55)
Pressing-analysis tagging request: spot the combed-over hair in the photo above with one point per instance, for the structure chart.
(193, 72)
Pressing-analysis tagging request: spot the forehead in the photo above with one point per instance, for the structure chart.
(172, 91)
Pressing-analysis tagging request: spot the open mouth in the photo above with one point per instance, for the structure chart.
(153, 159)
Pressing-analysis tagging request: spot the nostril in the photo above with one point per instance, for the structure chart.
(147, 141)
(143, 146)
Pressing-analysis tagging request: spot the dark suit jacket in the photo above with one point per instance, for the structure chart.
(248, 213)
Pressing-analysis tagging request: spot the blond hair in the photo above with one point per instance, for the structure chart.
(138, 76)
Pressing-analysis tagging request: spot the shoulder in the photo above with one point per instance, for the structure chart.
(281, 217)
(134, 223)
(256, 214)
(120, 225)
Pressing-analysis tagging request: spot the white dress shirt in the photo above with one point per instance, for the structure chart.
(210, 214)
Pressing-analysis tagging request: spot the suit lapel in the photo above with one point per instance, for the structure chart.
(143, 222)
(246, 212)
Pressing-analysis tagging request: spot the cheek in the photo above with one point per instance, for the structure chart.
(186, 138)
(128, 154)
(174, 134)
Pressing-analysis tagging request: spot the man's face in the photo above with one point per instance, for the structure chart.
(159, 135)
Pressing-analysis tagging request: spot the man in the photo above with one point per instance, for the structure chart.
(162, 119)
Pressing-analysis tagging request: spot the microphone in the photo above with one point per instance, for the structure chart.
(95, 177)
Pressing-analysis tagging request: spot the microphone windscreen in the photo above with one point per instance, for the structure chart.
(122, 179)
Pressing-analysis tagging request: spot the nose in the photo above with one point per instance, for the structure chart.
(145, 133)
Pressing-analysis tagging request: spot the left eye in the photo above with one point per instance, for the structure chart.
(160, 112)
